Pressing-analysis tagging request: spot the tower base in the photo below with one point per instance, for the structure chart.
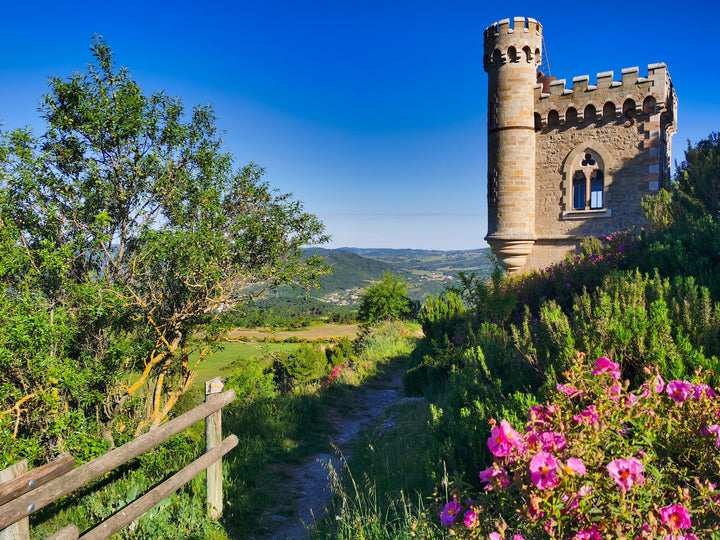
(511, 254)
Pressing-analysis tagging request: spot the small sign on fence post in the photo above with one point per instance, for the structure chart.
(213, 437)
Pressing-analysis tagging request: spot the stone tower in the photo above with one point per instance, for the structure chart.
(513, 52)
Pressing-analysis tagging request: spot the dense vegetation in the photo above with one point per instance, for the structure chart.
(126, 232)
(573, 402)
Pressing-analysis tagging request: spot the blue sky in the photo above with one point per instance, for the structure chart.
(371, 113)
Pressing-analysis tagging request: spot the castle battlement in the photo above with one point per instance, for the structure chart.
(520, 24)
(632, 95)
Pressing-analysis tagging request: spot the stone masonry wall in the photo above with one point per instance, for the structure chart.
(630, 129)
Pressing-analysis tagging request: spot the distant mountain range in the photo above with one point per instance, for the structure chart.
(426, 271)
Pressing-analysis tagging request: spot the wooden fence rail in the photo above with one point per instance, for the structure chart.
(36, 489)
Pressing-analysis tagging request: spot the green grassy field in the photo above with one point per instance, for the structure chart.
(215, 365)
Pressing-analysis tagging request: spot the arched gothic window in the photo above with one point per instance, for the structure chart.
(587, 178)
(588, 183)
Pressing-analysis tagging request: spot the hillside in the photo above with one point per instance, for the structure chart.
(354, 269)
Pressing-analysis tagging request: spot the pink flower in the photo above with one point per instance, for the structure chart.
(631, 400)
(657, 385)
(679, 390)
(488, 476)
(626, 472)
(552, 441)
(676, 517)
(588, 417)
(584, 491)
(503, 439)
(495, 536)
(712, 428)
(471, 519)
(701, 389)
(567, 389)
(450, 512)
(588, 534)
(615, 391)
(575, 466)
(604, 365)
(538, 417)
(543, 470)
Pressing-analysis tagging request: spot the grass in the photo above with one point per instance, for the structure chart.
(216, 364)
(275, 432)
(325, 331)
(379, 495)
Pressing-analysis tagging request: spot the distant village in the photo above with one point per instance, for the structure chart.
(351, 297)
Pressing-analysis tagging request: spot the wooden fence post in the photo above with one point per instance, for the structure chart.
(213, 437)
(19, 530)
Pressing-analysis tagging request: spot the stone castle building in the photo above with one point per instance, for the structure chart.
(566, 163)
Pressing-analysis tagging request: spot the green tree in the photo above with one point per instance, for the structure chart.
(698, 176)
(129, 218)
(385, 300)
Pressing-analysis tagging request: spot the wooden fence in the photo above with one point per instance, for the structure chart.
(23, 492)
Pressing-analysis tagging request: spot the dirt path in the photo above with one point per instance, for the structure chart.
(309, 482)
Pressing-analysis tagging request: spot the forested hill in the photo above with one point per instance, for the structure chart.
(426, 271)
(351, 270)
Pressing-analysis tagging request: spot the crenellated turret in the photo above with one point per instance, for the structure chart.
(513, 53)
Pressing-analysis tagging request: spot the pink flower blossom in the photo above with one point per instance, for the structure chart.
(584, 491)
(604, 365)
(615, 392)
(538, 417)
(575, 466)
(567, 389)
(450, 512)
(503, 439)
(552, 441)
(630, 401)
(470, 519)
(626, 472)
(543, 470)
(588, 534)
(657, 385)
(495, 536)
(712, 428)
(701, 389)
(679, 390)
(588, 417)
(675, 517)
(490, 474)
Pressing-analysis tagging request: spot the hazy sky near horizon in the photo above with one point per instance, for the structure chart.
(371, 113)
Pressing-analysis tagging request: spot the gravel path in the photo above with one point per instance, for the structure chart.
(309, 483)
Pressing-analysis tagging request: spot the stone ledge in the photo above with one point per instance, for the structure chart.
(587, 214)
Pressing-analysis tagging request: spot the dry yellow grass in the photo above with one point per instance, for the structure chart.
(313, 332)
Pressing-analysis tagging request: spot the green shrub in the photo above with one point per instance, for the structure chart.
(304, 365)
(600, 461)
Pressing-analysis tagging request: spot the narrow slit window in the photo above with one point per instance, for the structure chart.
(579, 191)
(596, 190)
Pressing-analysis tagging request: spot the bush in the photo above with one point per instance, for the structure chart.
(306, 364)
(599, 460)
(385, 301)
